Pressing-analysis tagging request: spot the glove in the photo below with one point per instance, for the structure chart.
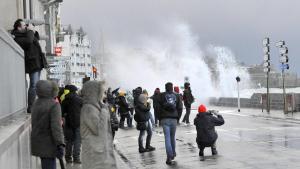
(60, 151)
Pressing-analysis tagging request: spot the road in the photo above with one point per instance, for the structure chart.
(244, 142)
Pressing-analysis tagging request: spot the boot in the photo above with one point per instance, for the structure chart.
(150, 148)
(142, 150)
(214, 151)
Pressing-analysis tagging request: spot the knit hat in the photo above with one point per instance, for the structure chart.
(201, 109)
(176, 89)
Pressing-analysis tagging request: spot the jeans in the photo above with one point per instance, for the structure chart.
(48, 163)
(149, 136)
(34, 78)
(169, 127)
(73, 144)
(186, 118)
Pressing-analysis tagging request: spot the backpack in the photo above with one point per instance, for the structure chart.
(170, 103)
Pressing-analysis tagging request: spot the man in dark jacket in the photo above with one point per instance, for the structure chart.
(35, 60)
(155, 99)
(71, 107)
(123, 110)
(47, 138)
(170, 106)
(188, 99)
(205, 123)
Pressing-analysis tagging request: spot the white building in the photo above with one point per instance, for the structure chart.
(75, 63)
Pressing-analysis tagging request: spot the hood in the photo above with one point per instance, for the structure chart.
(71, 88)
(46, 89)
(92, 92)
(143, 98)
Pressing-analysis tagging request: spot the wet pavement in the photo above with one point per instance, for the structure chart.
(245, 141)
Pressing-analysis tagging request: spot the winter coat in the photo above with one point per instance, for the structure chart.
(205, 124)
(142, 112)
(165, 111)
(155, 99)
(46, 121)
(95, 129)
(71, 107)
(29, 42)
(113, 118)
(123, 106)
(188, 98)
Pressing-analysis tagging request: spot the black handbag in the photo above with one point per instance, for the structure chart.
(142, 125)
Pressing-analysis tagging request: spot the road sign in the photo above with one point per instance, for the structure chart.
(284, 59)
(284, 66)
(266, 57)
(280, 43)
(266, 69)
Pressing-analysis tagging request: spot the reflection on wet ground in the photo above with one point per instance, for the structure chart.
(244, 142)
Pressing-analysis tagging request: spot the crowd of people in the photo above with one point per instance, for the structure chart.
(80, 125)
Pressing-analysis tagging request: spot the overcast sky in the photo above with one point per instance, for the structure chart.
(237, 24)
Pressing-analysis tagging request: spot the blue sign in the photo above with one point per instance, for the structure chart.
(284, 66)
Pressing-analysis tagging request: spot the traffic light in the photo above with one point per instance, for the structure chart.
(266, 50)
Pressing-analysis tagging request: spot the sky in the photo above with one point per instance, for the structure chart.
(239, 25)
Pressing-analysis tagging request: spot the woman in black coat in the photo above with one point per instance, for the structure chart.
(142, 117)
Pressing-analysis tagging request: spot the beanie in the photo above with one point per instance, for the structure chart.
(201, 109)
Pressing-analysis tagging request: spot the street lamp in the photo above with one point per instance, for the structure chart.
(284, 59)
(267, 65)
(238, 79)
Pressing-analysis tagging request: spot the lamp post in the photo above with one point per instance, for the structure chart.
(266, 49)
(238, 79)
(284, 59)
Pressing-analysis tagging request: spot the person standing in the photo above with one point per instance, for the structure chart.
(142, 117)
(170, 106)
(95, 129)
(155, 99)
(35, 60)
(123, 110)
(71, 107)
(47, 138)
(177, 91)
(188, 99)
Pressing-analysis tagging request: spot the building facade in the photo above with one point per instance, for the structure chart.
(75, 61)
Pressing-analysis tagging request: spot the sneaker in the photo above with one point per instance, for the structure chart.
(77, 161)
(142, 150)
(202, 158)
(170, 162)
(150, 148)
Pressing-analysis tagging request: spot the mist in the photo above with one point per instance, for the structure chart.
(171, 56)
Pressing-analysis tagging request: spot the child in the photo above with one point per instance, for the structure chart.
(205, 123)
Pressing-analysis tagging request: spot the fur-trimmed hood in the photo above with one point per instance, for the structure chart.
(92, 92)
(46, 89)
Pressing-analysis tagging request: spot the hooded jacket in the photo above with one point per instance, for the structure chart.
(47, 132)
(95, 129)
(29, 42)
(71, 107)
(205, 124)
(142, 109)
